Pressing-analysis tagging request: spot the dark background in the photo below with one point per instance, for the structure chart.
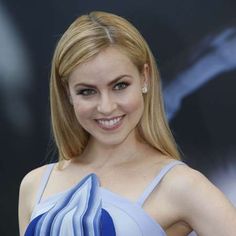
(179, 33)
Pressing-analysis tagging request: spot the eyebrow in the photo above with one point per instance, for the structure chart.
(109, 84)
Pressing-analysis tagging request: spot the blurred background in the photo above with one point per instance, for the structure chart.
(194, 43)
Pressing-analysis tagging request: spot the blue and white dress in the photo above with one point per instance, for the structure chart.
(87, 209)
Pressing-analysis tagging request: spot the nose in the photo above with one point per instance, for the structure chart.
(106, 104)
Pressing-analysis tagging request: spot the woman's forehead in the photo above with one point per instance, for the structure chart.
(108, 64)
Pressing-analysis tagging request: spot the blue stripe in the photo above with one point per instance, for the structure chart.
(31, 227)
(107, 226)
(78, 212)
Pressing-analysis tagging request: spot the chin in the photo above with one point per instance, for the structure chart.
(111, 140)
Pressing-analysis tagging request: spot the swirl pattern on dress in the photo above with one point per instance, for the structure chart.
(78, 213)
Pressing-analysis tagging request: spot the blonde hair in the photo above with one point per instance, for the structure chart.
(86, 37)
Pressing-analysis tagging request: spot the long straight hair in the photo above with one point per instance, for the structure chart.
(86, 37)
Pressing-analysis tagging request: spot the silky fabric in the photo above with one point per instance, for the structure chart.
(87, 209)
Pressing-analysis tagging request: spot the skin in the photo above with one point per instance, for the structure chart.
(183, 201)
(116, 91)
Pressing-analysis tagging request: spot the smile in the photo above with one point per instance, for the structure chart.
(110, 124)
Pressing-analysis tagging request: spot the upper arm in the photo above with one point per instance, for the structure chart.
(27, 195)
(24, 204)
(203, 206)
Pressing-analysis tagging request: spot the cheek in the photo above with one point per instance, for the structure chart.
(83, 109)
(132, 103)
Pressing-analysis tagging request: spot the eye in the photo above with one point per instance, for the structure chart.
(86, 92)
(121, 85)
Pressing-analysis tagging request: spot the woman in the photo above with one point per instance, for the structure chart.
(118, 171)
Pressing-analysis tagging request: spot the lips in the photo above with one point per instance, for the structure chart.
(110, 123)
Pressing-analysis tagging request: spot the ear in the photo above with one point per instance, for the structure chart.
(145, 76)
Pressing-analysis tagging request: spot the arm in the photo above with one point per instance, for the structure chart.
(27, 195)
(200, 204)
(24, 204)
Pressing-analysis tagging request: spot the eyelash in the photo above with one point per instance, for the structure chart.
(89, 92)
(122, 84)
(85, 92)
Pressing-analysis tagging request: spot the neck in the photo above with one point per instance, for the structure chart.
(100, 155)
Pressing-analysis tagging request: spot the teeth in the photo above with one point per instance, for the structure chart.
(109, 123)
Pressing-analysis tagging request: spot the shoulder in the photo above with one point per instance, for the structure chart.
(33, 175)
(27, 194)
(31, 180)
(189, 185)
(30, 184)
(183, 177)
(198, 202)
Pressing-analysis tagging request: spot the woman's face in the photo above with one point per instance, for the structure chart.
(106, 95)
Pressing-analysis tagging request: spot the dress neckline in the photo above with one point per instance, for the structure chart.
(147, 190)
(103, 189)
(107, 194)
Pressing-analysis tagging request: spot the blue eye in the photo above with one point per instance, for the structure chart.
(86, 92)
(121, 85)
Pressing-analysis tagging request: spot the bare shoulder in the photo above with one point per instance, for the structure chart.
(31, 180)
(183, 177)
(189, 185)
(33, 174)
(27, 194)
(199, 203)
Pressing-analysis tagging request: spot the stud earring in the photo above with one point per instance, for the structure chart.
(144, 89)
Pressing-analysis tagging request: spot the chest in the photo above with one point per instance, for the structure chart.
(126, 217)
(120, 192)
